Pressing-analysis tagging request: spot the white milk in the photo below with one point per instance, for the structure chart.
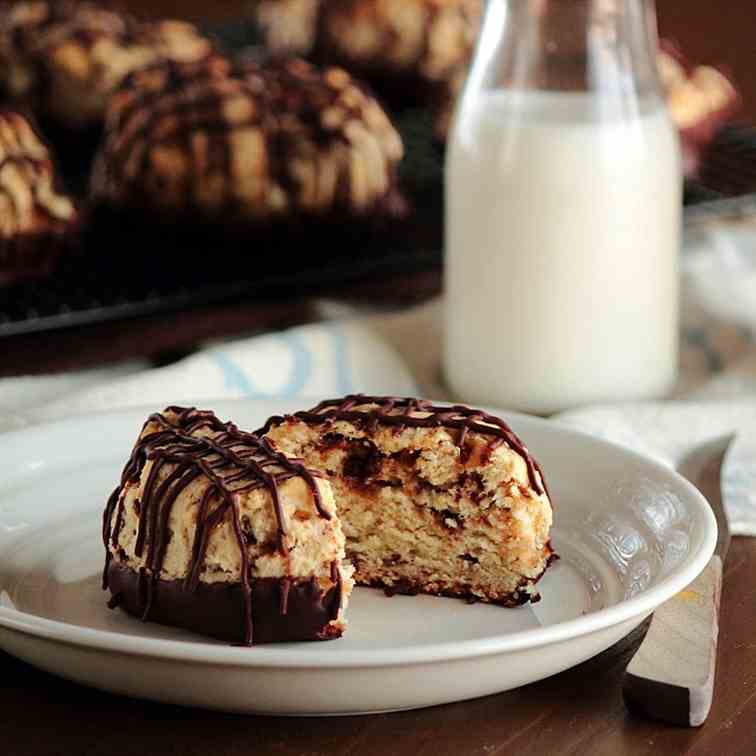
(562, 242)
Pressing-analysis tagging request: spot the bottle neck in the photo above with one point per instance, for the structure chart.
(606, 47)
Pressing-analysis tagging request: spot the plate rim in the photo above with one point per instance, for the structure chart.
(294, 656)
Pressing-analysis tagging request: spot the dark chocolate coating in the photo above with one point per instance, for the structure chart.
(283, 609)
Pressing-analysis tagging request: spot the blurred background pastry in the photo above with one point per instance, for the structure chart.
(38, 222)
(416, 53)
(701, 100)
(427, 39)
(413, 52)
(248, 145)
(64, 59)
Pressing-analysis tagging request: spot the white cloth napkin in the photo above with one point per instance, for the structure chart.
(312, 361)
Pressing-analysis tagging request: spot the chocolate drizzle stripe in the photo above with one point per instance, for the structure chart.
(336, 580)
(119, 519)
(285, 588)
(200, 540)
(144, 519)
(246, 588)
(398, 412)
(151, 511)
(107, 519)
(159, 542)
(233, 463)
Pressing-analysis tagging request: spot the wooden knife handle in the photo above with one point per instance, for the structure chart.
(671, 676)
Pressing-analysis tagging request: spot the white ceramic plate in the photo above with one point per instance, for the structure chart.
(630, 532)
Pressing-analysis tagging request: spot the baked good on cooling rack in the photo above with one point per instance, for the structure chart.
(413, 51)
(426, 39)
(38, 222)
(65, 58)
(248, 145)
(701, 100)
(439, 500)
(214, 530)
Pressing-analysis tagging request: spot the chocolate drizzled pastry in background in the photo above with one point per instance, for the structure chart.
(439, 500)
(248, 144)
(414, 52)
(427, 40)
(64, 59)
(38, 222)
(214, 530)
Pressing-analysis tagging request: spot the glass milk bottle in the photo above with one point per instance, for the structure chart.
(563, 211)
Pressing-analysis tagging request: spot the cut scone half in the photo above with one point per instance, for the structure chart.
(433, 499)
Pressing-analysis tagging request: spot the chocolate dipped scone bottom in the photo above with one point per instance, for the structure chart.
(439, 500)
(281, 609)
(220, 514)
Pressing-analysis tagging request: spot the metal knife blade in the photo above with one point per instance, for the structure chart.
(739, 481)
(671, 676)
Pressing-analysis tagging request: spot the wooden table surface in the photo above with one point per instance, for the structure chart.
(577, 712)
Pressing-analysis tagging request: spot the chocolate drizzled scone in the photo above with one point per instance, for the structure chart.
(38, 222)
(248, 145)
(439, 500)
(214, 530)
(65, 58)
